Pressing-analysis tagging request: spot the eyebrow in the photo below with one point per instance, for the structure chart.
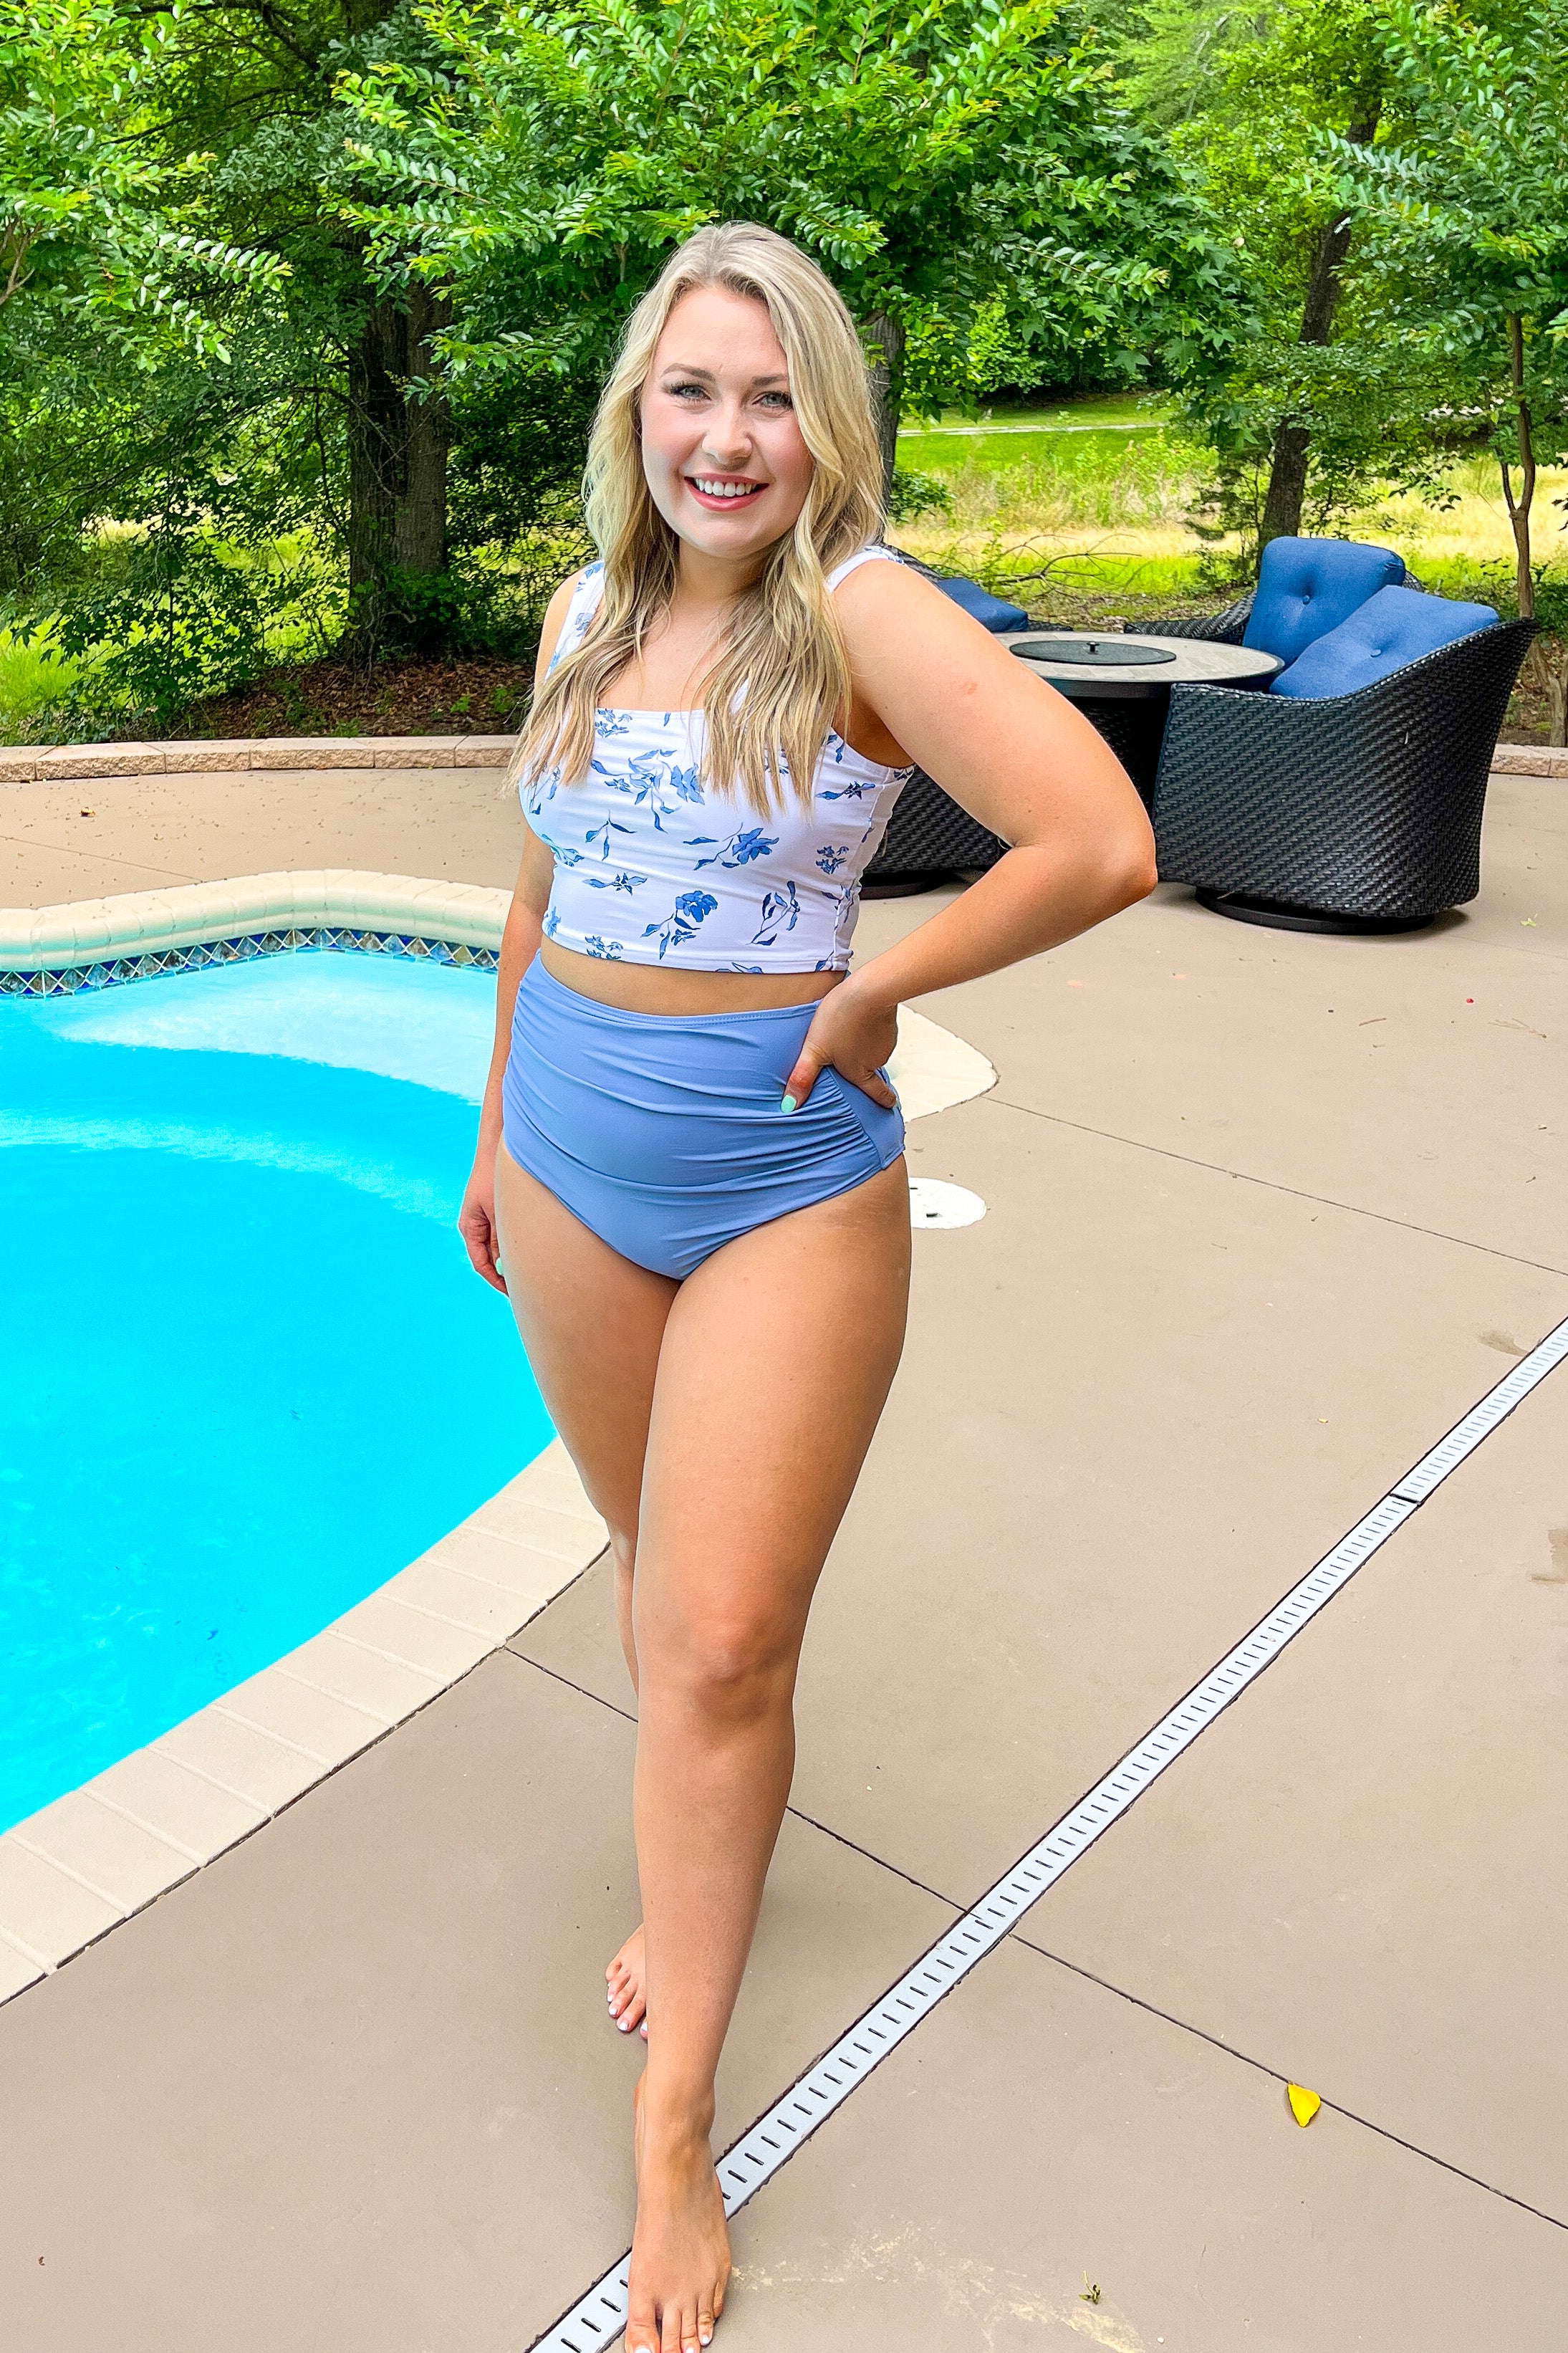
(679, 367)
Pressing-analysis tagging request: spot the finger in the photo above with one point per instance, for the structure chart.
(480, 1242)
(802, 1079)
(881, 1089)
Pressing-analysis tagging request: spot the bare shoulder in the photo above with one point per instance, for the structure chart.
(556, 614)
(900, 631)
(875, 591)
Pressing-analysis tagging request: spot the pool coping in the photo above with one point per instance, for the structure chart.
(80, 763)
(136, 934)
(96, 1856)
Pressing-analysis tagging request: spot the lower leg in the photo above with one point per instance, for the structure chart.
(715, 1759)
(627, 1976)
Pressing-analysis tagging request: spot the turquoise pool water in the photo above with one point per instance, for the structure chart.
(249, 1373)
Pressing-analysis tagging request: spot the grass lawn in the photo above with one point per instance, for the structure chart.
(1083, 512)
(1086, 518)
(1122, 411)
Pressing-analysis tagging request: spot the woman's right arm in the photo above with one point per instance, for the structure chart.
(520, 945)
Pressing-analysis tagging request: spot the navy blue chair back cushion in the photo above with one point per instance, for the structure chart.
(1388, 633)
(1308, 587)
(991, 612)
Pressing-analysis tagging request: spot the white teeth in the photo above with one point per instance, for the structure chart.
(724, 490)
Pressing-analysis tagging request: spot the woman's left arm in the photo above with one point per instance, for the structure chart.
(1022, 761)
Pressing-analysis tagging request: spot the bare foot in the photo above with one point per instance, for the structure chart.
(627, 1979)
(680, 2248)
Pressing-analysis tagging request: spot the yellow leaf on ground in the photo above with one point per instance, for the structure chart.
(1304, 2104)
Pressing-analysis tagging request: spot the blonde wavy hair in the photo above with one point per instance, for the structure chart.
(783, 680)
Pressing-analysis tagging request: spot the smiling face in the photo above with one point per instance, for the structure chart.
(721, 445)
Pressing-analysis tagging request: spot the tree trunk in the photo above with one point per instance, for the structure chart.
(1519, 509)
(1288, 471)
(397, 445)
(887, 387)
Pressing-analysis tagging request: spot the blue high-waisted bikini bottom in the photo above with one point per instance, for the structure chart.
(663, 1133)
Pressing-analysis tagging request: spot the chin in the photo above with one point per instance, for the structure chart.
(741, 534)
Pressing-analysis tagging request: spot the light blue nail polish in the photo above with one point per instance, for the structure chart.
(788, 1104)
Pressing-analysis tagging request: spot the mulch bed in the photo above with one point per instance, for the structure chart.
(484, 694)
(478, 695)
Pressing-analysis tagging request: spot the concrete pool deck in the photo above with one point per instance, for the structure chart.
(1266, 1213)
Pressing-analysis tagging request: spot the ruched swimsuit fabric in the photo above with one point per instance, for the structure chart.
(665, 1134)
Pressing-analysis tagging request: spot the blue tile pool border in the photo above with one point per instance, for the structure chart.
(112, 972)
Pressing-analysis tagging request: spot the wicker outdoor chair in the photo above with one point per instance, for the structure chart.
(1357, 812)
(1220, 628)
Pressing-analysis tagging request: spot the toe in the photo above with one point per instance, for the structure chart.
(642, 2330)
(705, 2321)
(674, 2335)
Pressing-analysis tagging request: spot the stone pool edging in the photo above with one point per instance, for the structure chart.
(101, 1853)
(81, 764)
(1530, 760)
(98, 942)
(79, 1867)
(74, 764)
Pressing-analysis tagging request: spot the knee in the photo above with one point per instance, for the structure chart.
(731, 1668)
(624, 1552)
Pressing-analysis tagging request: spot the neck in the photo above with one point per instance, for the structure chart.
(714, 581)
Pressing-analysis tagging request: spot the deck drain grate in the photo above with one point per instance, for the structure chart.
(597, 2319)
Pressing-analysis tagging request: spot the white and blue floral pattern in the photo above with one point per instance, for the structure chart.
(784, 892)
(748, 842)
(692, 907)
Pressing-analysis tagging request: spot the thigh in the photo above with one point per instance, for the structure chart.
(778, 1355)
(592, 1324)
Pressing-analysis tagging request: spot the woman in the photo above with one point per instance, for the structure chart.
(690, 1163)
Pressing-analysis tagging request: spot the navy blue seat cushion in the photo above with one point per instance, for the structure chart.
(991, 612)
(1308, 587)
(1391, 629)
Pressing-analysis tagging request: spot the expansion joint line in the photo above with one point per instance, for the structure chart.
(597, 2319)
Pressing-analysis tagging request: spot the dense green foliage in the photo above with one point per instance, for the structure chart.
(963, 167)
(303, 302)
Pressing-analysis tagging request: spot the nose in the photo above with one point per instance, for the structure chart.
(728, 440)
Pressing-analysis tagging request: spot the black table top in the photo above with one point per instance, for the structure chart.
(1180, 661)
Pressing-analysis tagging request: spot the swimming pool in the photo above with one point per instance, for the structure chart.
(248, 1372)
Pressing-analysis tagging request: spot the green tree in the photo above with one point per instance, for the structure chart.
(962, 168)
(98, 218)
(1466, 228)
(1309, 412)
(353, 347)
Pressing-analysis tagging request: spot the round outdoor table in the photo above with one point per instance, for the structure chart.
(1129, 699)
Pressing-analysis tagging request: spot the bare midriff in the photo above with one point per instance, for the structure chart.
(655, 989)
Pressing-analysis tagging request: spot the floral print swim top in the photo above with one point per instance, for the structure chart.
(653, 866)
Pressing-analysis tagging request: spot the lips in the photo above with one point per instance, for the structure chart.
(720, 493)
